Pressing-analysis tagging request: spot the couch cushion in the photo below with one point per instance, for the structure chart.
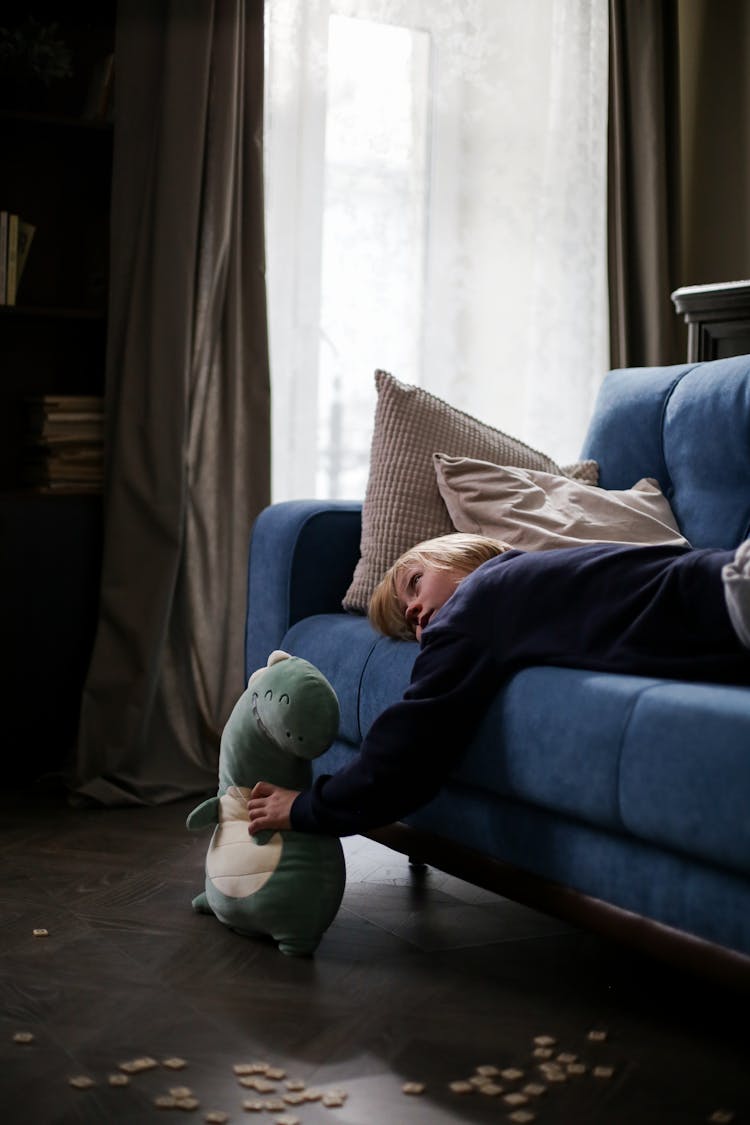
(689, 427)
(685, 771)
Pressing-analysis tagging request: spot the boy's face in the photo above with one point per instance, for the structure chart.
(423, 589)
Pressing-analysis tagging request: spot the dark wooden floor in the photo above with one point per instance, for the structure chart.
(421, 978)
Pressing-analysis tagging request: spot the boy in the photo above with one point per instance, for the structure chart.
(481, 611)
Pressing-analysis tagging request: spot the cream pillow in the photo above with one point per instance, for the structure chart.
(402, 503)
(536, 511)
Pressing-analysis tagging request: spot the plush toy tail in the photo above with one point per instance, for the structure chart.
(200, 904)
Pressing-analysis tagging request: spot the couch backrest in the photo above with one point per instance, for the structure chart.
(689, 427)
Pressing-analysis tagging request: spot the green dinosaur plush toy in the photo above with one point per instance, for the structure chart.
(286, 884)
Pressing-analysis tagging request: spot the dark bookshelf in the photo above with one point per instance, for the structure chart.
(56, 167)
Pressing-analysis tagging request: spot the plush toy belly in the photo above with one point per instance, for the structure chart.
(235, 864)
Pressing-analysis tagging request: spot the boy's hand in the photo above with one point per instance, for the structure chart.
(269, 807)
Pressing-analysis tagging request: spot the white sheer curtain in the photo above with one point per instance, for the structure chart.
(435, 206)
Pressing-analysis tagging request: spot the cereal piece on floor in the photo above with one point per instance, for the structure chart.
(576, 1068)
(244, 1068)
(597, 1035)
(413, 1088)
(490, 1089)
(566, 1057)
(603, 1071)
(275, 1072)
(81, 1082)
(187, 1103)
(515, 1099)
(332, 1101)
(294, 1084)
(181, 1091)
(216, 1117)
(554, 1073)
(174, 1063)
(545, 1040)
(534, 1089)
(479, 1080)
(165, 1101)
(23, 1037)
(287, 1119)
(543, 1052)
(294, 1097)
(721, 1116)
(488, 1071)
(462, 1087)
(40, 932)
(521, 1116)
(511, 1073)
(312, 1094)
(252, 1105)
(118, 1080)
(274, 1105)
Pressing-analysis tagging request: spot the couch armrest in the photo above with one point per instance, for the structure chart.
(301, 561)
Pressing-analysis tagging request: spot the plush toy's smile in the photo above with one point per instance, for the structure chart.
(256, 716)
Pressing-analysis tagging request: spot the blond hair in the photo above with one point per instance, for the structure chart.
(460, 551)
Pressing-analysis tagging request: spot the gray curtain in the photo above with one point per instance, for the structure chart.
(187, 398)
(644, 183)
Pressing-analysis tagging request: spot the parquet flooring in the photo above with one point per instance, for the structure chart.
(421, 978)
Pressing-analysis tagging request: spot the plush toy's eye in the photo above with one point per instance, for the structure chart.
(269, 694)
(284, 698)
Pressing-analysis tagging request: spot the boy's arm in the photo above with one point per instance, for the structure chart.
(411, 747)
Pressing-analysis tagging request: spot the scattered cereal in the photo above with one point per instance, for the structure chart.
(165, 1101)
(479, 1080)
(490, 1089)
(576, 1068)
(274, 1105)
(545, 1040)
(40, 932)
(462, 1087)
(515, 1099)
(521, 1116)
(721, 1116)
(294, 1097)
(603, 1071)
(287, 1119)
(181, 1091)
(332, 1101)
(23, 1037)
(313, 1095)
(294, 1084)
(174, 1063)
(81, 1082)
(187, 1103)
(252, 1105)
(133, 1066)
(216, 1117)
(257, 1082)
(488, 1071)
(543, 1052)
(275, 1072)
(566, 1057)
(511, 1073)
(534, 1089)
(597, 1035)
(413, 1088)
(118, 1080)
(554, 1074)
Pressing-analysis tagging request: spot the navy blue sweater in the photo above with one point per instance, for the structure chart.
(654, 611)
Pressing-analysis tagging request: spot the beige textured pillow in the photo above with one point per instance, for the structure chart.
(402, 503)
(536, 511)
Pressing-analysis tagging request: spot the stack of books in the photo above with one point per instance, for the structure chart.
(66, 443)
(15, 240)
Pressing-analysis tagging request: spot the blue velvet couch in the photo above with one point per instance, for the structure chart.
(617, 802)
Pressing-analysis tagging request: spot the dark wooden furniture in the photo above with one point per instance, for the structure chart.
(718, 319)
(57, 144)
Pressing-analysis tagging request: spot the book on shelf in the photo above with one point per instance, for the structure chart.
(3, 255)
(65, 448)
(15, 240)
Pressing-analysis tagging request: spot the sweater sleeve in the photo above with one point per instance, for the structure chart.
(411, 747)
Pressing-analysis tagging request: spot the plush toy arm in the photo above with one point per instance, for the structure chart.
(203, 815)
(263, 837)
